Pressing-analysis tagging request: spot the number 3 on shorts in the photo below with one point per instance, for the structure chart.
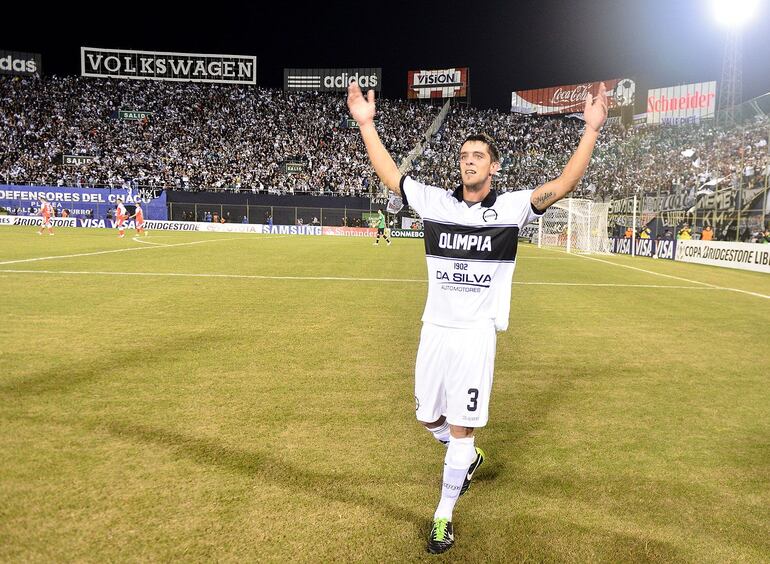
(474, 393)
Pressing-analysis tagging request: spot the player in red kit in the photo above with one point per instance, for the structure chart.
(46, 210)
(139, 216)
(120, 218)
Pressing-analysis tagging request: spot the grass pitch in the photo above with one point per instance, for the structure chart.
(249, 398)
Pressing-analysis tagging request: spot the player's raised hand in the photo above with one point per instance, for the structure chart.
(362, 109)
(595, 112)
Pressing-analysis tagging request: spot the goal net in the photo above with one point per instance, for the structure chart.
(576, 225)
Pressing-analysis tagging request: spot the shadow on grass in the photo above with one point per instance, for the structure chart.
(513, 436)
(63, 377)
(541, 539)
(342, 488)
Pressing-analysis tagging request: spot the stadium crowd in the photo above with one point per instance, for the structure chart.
(627, 161)
(198, 136)
(222, 137)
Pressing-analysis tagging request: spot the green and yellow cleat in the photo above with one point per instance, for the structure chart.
(475, 466)
(441, 536)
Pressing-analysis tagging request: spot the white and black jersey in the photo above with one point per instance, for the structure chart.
(471, 252)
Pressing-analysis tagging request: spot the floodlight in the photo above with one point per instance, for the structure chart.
(734, 14)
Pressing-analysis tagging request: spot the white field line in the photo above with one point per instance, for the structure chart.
(518, 258)
(681, 279)
(712, 286)
(333, 278)
(138, 240)
(158, 245)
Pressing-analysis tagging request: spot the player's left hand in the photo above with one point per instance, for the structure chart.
(595, 112)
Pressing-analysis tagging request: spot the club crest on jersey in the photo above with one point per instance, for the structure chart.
(489, 215)
(465, 242)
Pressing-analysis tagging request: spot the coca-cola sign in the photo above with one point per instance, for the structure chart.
(570, 95)
(568, 99)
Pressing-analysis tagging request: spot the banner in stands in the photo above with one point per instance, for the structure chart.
(411, 223)
(444, 83)
(620, 246)
(294, 166)
(199, 226)
(149, 225)
(568, 99)
(663, 249)
(349, 231)
(159, 65)
(686, 103)
(91, 203)
(331, 80)
(78, 160)
(714, 203)
(644, 247)
(37, 221)
(744, 256)
(350, 123)
(133, 115)
(21, 64)
(407, 233)
(529, 232)
(292, 229)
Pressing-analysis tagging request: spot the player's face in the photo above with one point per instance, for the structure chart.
(476, 166)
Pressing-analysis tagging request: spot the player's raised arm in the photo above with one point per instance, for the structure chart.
(595, 114)
(362, 110)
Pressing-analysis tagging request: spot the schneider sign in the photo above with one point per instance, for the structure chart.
(181, 67)
(331, 80)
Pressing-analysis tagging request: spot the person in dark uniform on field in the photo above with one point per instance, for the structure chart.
(381, 228)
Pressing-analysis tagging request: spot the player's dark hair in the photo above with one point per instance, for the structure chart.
(485, 138)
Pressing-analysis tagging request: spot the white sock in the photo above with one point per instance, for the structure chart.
(459, 457)
(441, 432)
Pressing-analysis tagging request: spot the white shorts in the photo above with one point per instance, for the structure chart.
(454, 373)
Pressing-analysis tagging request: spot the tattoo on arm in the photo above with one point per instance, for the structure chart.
(543, 199)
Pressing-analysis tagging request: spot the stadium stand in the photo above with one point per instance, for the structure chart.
(214, 137)
(199, 136)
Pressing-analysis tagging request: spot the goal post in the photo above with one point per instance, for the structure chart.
(576, 225)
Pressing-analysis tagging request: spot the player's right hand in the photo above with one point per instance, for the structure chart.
(362, 109)
(595, 112)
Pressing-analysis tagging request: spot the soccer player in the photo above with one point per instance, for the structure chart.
(46, 210)
(139, 215)
(381, 228)
(120, 218)
(471, 235)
